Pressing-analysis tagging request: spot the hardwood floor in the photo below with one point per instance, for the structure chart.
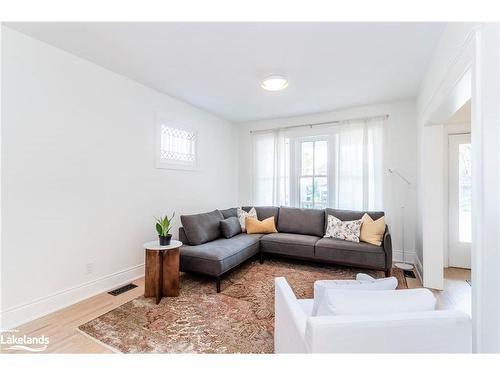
(456, 293)
(61, 326)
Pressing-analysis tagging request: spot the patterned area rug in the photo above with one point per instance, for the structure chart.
(240, 319)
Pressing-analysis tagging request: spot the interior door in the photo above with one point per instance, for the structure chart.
(459, 185)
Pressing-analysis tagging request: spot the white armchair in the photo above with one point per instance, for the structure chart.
(297, 331)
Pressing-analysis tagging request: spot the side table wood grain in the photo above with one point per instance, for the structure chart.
(162, 270)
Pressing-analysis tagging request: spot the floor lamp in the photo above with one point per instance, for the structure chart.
(403, 265)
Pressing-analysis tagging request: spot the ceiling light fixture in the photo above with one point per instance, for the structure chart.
(274, 83)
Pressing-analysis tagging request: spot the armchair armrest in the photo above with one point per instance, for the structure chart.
(289, 320)
(436, 331)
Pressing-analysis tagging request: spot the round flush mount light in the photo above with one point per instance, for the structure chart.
(274, 83)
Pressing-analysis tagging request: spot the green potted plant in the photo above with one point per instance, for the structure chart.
(163, 226)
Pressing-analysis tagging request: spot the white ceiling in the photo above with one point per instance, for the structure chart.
(218, 66)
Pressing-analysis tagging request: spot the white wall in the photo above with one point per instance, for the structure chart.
(444, 89)
(399, 152)
(468, 49)
(79, 183)
(485, 134)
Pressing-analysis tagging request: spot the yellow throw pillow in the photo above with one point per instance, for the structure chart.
(372, 231)
(264, 226)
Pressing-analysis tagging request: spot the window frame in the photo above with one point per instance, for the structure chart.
(297, 168)
(174, 164)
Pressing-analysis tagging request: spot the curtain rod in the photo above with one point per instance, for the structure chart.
(320, 123)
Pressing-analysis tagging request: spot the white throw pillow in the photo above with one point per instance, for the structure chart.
(343, 230)
(242, 215)
(363, 276)
(321, 286)
(364, 302)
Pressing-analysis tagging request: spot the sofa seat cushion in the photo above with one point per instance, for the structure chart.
(216, 257)
(297, 245)
(351, 253)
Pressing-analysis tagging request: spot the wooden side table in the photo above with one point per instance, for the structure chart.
(162, 270)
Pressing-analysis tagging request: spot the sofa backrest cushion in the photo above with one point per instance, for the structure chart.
(201, 228)
(348, 215)
(230, 227)
(368, 283)
(229, 212)
(263, 212)
(373, 302)
(301, 221)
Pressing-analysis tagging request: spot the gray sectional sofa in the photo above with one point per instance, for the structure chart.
(300, 236)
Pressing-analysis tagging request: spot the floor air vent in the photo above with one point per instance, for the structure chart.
(122, 289)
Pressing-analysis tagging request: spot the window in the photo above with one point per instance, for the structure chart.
(336, 166)
(464, 192)
(177, 146)
(313, 177)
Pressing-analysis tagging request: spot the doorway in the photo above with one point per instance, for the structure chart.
(459, 203)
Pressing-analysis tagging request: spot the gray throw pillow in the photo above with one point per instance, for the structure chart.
(230, 227)
(229, 212)
(202, 228)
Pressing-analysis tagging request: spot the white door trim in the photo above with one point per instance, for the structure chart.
(486, 190)
(485, 130)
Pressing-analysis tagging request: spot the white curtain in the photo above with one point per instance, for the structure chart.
(271, 152)
(355, 157)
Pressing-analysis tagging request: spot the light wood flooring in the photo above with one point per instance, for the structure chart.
(61, 326)
(456, 293)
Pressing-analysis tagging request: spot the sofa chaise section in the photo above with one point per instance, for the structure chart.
(217, 257)
(205, 251)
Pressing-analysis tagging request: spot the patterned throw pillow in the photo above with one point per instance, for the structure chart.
(343, 230)
(242, 215)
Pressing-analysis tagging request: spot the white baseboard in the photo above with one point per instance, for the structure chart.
(21, 314)
(397, 256)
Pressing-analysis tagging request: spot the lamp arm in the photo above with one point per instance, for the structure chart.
(395, 171)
